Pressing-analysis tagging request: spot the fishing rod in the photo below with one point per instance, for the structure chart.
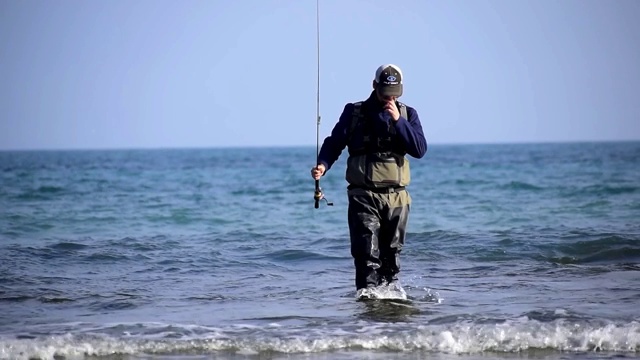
(318, 194)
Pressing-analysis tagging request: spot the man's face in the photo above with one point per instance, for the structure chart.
(385, 98)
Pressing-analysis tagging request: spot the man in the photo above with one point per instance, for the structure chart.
(379, 132)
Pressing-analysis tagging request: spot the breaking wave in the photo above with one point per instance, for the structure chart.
(519, 335)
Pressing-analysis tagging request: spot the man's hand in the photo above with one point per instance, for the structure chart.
(317, 171)
(391, 108)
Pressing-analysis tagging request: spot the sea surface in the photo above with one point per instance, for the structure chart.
(513, 251)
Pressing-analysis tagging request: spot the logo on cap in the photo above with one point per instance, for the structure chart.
(391, 78)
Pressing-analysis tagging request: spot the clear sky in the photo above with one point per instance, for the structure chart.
(217, 73)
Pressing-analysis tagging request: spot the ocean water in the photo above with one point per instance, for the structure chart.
(513, 251)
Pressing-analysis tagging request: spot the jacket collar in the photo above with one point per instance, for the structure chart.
(373, 102)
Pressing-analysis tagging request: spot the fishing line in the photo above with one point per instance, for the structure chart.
(318, 195)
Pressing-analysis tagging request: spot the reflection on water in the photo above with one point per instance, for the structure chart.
(388, 310)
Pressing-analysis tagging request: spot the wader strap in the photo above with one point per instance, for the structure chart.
(403, 111)
(355, 118)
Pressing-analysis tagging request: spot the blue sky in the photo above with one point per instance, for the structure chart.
(165, 74)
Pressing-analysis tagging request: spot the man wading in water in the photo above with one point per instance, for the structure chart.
(379, 132)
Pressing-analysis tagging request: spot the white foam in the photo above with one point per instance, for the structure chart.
(391, 291)
(514, 336)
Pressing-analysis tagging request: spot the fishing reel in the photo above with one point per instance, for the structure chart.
(319, 195)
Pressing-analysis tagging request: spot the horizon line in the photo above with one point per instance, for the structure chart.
(290, 146)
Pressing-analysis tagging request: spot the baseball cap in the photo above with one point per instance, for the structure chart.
(389, 79)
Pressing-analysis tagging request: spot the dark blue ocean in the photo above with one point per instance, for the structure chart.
(513, 251)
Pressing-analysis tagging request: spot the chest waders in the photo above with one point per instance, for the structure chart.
(378, 205)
